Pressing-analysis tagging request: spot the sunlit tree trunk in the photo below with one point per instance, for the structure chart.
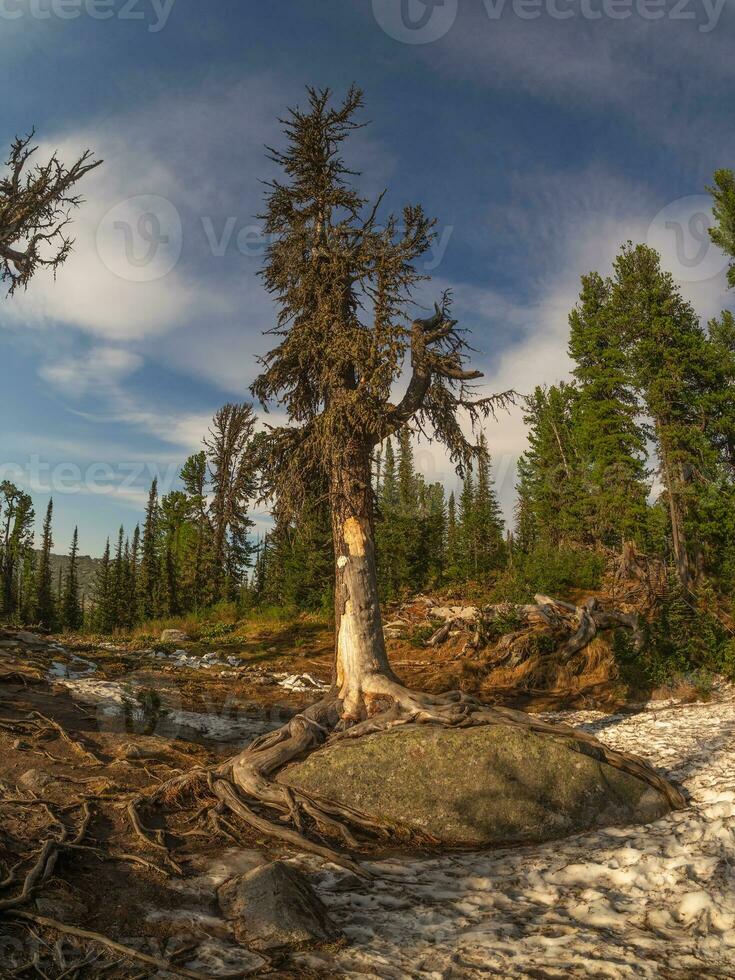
(360, 647)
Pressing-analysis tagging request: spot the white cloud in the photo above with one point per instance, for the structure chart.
(92, 372)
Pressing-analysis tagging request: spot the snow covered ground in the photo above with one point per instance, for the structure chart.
(655, 901)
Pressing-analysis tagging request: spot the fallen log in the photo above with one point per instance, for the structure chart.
(584, 622)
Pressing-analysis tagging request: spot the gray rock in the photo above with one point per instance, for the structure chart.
(274, 906)
(33, 639)
(174, 636)
(483, 786)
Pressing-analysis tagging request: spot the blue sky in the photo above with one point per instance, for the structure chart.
(541, 133)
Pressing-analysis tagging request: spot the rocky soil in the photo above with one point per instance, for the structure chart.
(96, 725)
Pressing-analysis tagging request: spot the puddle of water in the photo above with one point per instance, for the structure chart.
(118, 709)
(78, 667)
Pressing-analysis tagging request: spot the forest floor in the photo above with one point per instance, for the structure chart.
(648, 901)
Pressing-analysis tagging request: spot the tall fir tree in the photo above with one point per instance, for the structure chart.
(45, 602)
(103, 614)
(489, 527)
(609, 434)
(71, 610)
(149, 576)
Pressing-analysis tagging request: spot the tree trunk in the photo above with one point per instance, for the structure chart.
(673, 487)
(359, 642)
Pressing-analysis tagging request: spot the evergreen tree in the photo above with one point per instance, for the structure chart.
(232, 458)
(118, 582)
(16, 542)
(45, 604)
(71, 612)
(610, 437)
(723, 232)
(553, 490)
(468, 562)
(103, 616)
(674, 372)
(149, 573)
(390, 548)
(452, 562)
(489, 528)
(195, 573)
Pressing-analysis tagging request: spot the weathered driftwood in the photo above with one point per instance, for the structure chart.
(584, 622)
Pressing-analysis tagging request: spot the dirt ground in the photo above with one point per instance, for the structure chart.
(85, 727)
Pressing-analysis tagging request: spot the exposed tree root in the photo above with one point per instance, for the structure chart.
(96, 937)
(46, 859)
(247, 782)
(553, 617)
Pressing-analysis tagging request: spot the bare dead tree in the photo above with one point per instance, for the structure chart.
(36, 200)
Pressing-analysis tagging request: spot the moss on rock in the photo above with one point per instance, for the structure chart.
(477, 787)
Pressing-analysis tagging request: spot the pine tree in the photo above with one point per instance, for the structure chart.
(195, 572)
(71, 613)
(150, 570)
(468, 563)
(338, 359)
(45, 605)
(723, 232)
(489, 528)
(390, 548)
(452, 547)
(233, 467)
(673, 371)
(103, 616)
(16, 541)
(610, 437)
(118, 581)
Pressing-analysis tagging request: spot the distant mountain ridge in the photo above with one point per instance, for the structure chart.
(86, 569)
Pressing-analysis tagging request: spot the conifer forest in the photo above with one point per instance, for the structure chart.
(367, 505)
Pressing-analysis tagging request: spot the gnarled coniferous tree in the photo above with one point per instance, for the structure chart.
(35, 205)
(343, 282)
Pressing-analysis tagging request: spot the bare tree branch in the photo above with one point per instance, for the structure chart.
(35, 206)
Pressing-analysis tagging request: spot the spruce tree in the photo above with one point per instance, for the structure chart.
(16, 540)
(610, 436)
(342, 282)
(723, 232)
(118, 582)
(35, 202)
(71, 607)
(233, 465)
(489, 528)
(45, 604)
(673, 371)
(150, 569)
(103, 615)
(468, 562)
(452, 547)
(390, 549)
(194, 478)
